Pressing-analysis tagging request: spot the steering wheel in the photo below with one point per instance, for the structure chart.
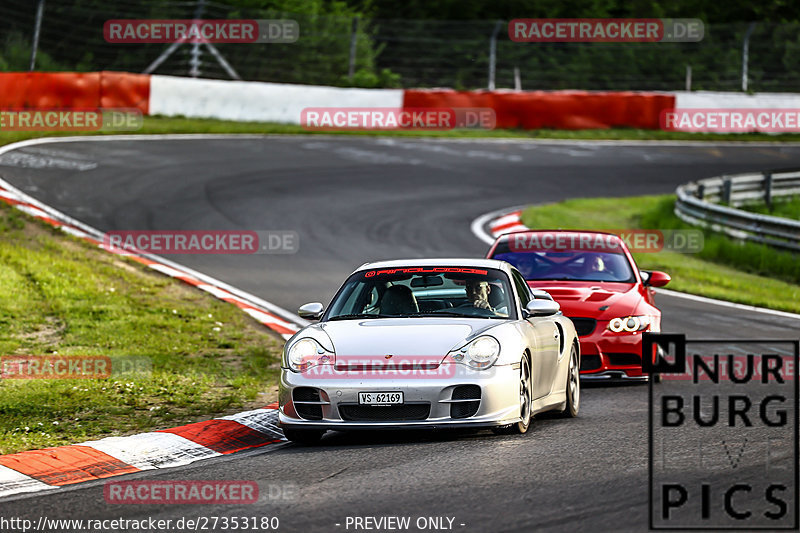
(475, 311)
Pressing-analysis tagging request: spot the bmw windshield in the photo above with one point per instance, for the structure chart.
(538, 258)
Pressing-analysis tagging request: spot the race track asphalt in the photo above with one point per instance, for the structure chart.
(357, 199)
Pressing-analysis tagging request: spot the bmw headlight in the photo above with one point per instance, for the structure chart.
(305, 353)
(480, 354)
(629, 323)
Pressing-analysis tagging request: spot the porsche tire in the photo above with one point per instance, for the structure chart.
(525, 401)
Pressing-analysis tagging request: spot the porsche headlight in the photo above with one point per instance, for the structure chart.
(481, 353)
(629, 324)
(306, 353)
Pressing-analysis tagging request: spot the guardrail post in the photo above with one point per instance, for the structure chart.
(351, 66)
(768, 189)
(493, 53)
(36, 30)
(746, 55)
(725, 197)
(700, 192)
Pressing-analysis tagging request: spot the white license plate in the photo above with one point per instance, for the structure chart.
(380, 398)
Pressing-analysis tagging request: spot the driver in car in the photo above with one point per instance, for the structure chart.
(478, 294)
(597, 269)
(596, 264)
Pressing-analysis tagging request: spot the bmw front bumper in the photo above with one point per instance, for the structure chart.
(607, 356)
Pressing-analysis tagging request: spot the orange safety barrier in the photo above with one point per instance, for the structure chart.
(44, 90)
(122, 89)
(74, 90)
(570, 110)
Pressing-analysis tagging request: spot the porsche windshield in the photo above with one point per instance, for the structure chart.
(570, 265)
(424, 291)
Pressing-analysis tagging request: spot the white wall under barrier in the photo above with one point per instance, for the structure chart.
(718, 112)
(720, 100)
(257, 101)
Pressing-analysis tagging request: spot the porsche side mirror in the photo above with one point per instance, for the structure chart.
(657, 279)
(311, 311)
(542, 308)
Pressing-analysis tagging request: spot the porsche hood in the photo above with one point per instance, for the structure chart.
(433, 337)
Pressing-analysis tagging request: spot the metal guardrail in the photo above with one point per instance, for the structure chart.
(712, 203)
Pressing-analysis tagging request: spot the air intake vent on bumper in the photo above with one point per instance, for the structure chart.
(465, 409)
(309, 411)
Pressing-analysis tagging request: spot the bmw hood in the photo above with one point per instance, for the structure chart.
(592, 299)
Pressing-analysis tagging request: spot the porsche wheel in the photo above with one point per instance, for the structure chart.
(525, 400)
(573, 388)
(303, 436)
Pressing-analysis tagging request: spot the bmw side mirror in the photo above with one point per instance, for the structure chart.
(311, 311)
(656, 278)
(542, 308)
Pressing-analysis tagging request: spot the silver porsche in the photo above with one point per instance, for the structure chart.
(429, 343)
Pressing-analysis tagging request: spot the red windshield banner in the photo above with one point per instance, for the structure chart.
(425, 270)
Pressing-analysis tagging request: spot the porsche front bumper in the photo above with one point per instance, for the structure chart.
(462, 397)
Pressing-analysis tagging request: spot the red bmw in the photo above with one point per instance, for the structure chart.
(595, 279)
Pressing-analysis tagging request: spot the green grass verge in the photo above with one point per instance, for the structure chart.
(738, 272)
(159, 124)
(62, 295)
(781, 207)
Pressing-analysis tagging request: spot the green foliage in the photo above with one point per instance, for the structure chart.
(368, 79)
(427, 44)
(72, 39)
(711, 11)
(15, 55)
